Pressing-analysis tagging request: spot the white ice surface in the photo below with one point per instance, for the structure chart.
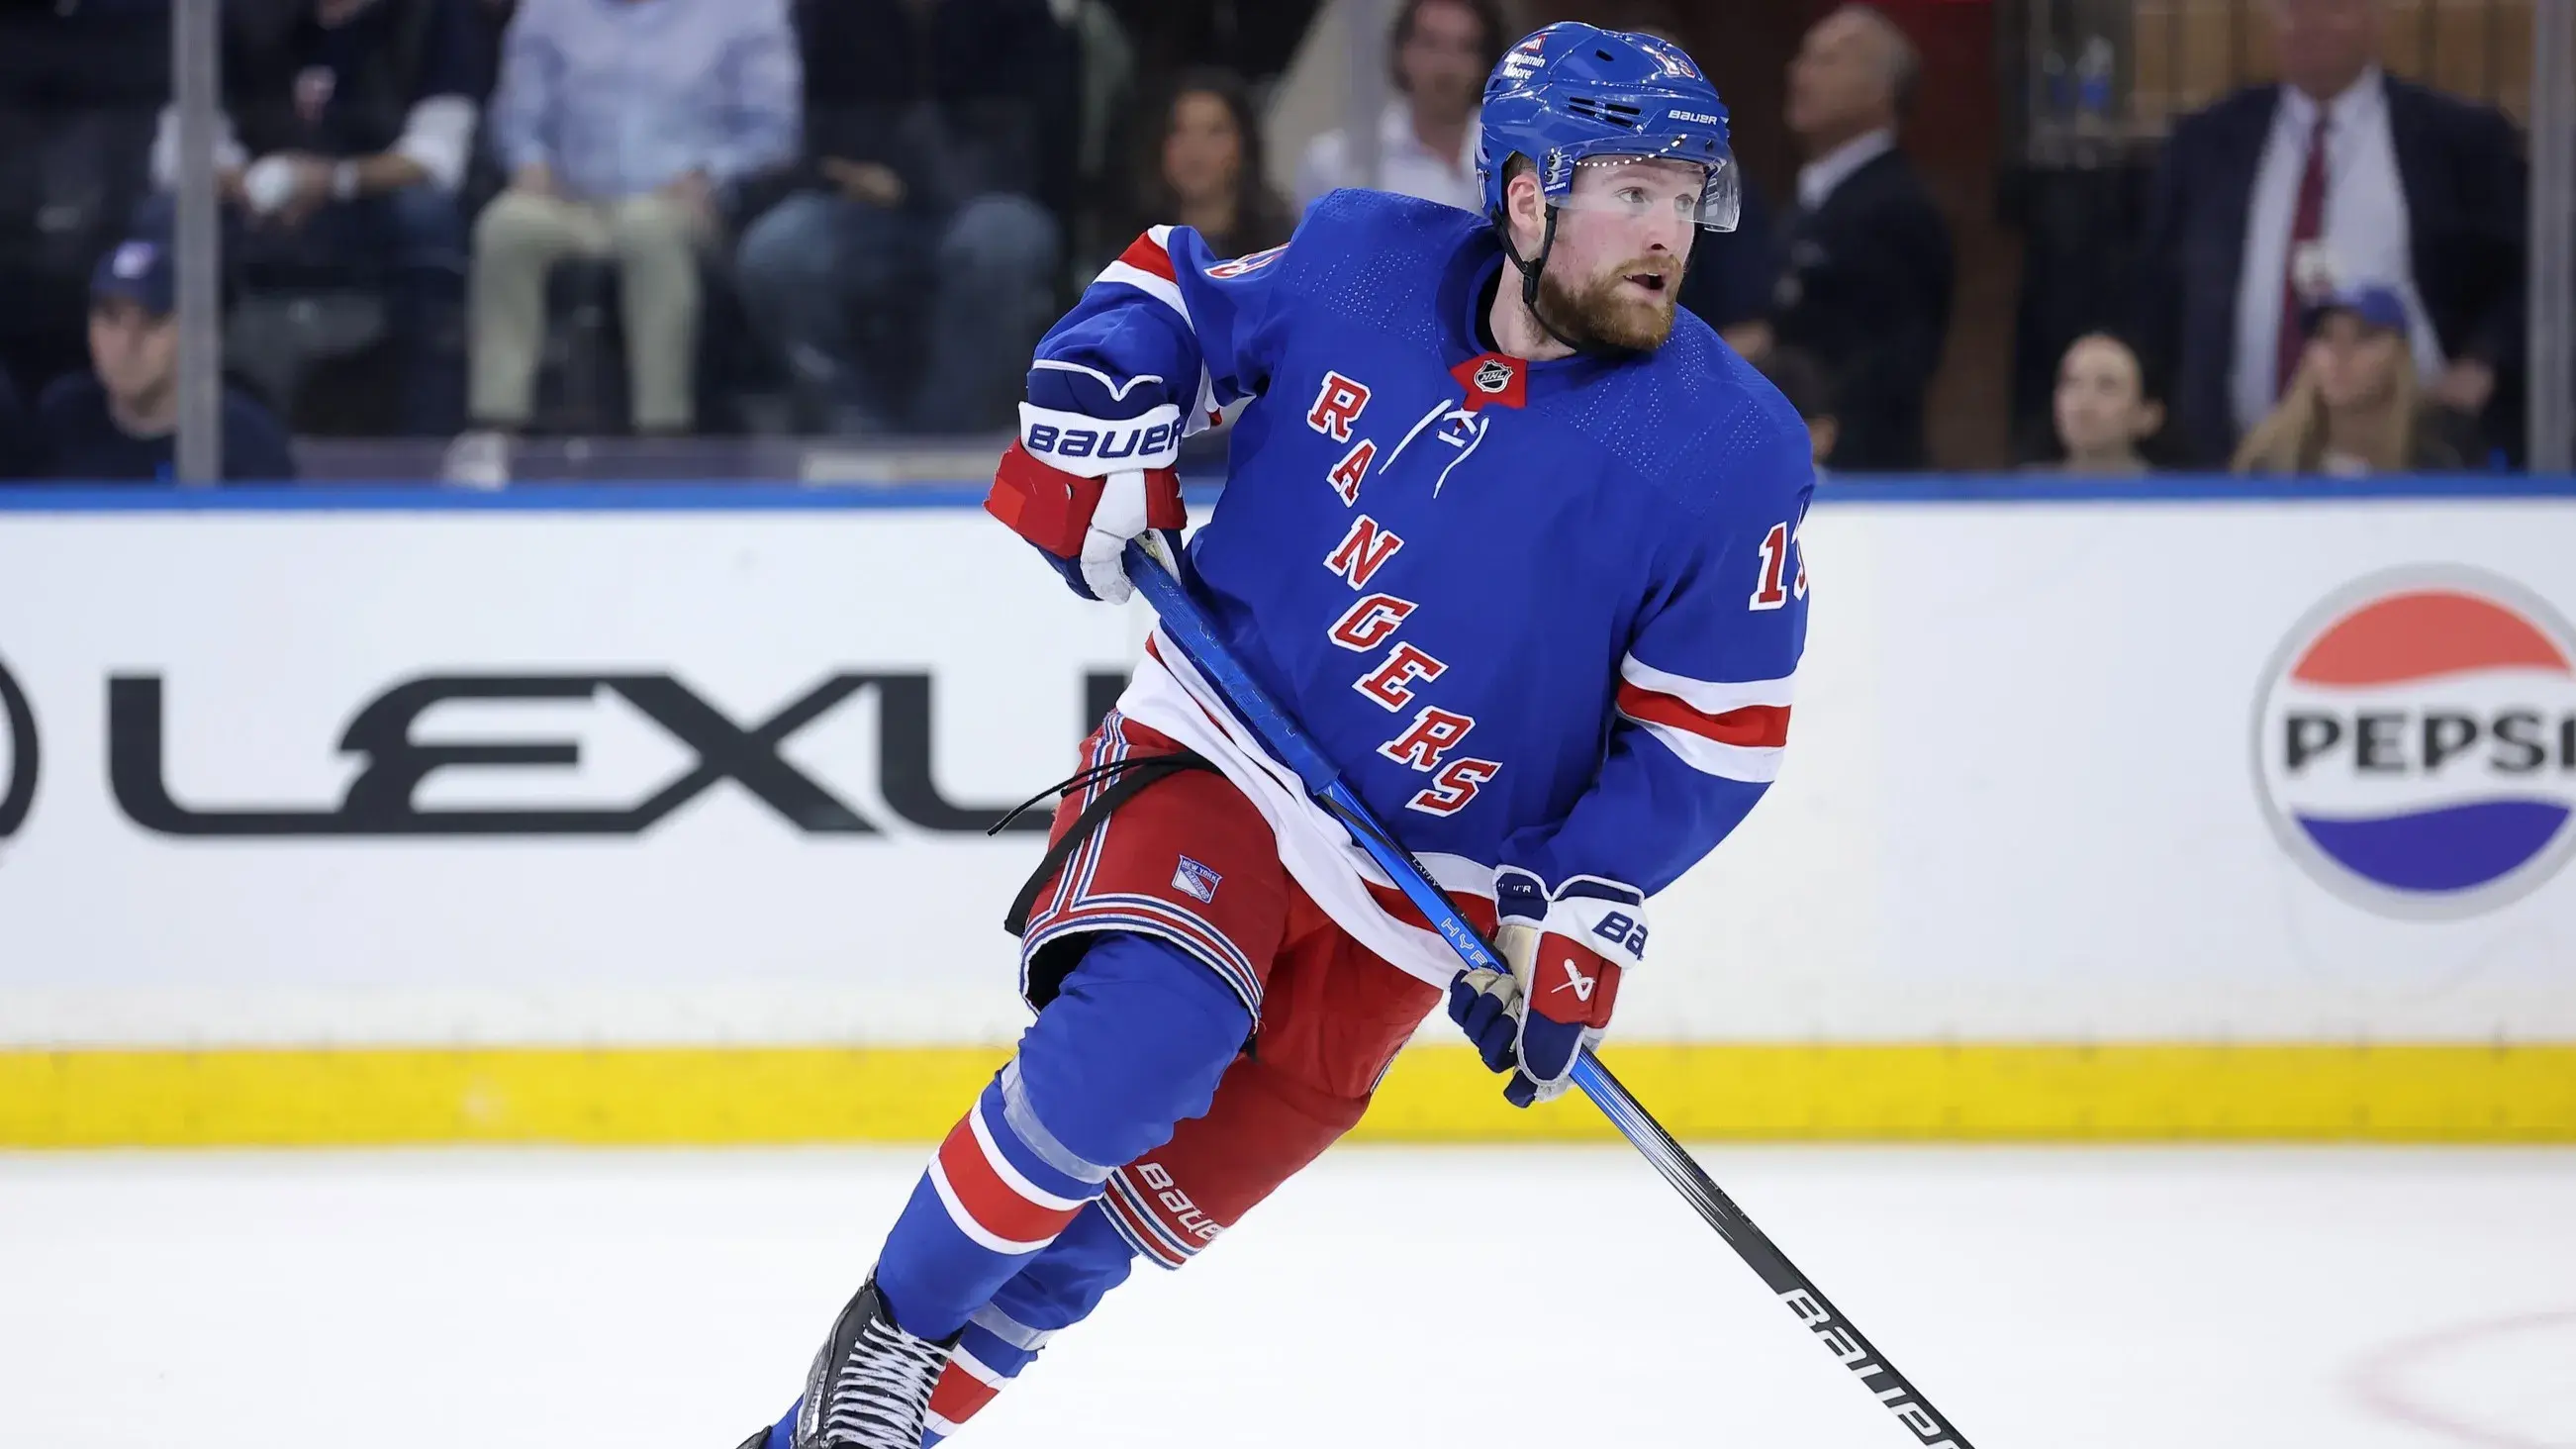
(439, 1300)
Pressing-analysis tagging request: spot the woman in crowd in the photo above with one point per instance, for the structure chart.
(2355, 406)
(1205, 170)
(2103, 412)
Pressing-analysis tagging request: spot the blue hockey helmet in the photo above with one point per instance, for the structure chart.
(1574, 92)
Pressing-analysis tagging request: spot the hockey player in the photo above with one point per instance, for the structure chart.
(1516, 544)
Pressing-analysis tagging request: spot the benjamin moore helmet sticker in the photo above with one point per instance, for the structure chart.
(2416, 742)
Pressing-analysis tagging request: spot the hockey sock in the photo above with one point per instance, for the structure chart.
(1057, 1289)
(1133, 1043)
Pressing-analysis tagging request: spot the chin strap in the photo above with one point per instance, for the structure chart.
(1529, 270)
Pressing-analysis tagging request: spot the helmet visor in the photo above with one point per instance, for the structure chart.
(1700, 191)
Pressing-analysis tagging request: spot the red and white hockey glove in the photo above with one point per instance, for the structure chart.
(1055, 490)
(1566, 955)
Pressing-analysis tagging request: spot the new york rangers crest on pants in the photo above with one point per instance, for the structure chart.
(1136, 872)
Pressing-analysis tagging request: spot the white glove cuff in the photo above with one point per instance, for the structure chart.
(1120, 517)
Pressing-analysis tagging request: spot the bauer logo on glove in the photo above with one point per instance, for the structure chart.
(1151, 441)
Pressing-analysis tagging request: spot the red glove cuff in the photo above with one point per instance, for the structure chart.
(1163, 505)
(1053, 508)
(1572, 984)
(1047, 506)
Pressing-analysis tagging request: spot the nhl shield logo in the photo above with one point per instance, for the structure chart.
(1491, 378)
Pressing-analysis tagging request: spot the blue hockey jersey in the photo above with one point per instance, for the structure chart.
(1542, 614)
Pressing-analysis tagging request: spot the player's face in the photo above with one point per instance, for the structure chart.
(1202, 152)
(135, 353)
(1622, 239)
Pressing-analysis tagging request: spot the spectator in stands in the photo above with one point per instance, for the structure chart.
(2103, 411)
(1807, 389)
(628, 128)
(2356, 404)
(1426, 138)
(1252, 38)
(2339, 172)
(1729, 280)
(1730, 276)
(1868, 277)
(344, 140)
(906, 285)
(1205, 170)
(497, 15)
(119, 421)
(81, 86)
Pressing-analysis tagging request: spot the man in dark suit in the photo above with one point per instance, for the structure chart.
(2340, 176)
(1866, 289)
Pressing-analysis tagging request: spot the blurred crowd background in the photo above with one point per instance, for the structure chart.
(477, 239)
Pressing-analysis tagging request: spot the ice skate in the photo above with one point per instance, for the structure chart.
(870, 1385)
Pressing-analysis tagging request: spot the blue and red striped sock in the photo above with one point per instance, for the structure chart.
(1057, 1289)
(1134, 1043)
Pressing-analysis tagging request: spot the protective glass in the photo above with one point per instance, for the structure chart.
(1719, 202)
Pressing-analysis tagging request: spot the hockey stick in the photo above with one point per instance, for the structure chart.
(1188, 629)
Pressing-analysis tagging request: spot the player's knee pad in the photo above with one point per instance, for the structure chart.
(1135, 1041)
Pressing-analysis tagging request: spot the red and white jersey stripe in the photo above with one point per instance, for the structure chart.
(1735, 729)
(1146, 265)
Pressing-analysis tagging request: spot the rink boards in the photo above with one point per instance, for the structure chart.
(616, 815)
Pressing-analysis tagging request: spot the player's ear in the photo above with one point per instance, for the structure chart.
(1524, 200)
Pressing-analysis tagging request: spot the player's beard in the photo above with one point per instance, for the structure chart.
(1601, 315)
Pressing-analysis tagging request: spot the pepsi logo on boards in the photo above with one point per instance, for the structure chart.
(2416, 743)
